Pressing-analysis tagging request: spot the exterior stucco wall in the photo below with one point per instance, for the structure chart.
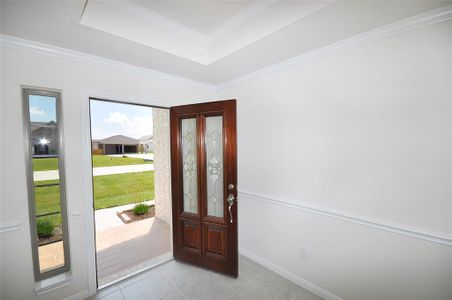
(162, 167)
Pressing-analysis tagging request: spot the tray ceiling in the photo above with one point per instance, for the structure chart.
(191, 29)
(202, 16)
(210, 42)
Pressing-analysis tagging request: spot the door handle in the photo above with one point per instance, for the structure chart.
(230, 200)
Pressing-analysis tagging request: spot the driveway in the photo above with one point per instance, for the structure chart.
(53, 174)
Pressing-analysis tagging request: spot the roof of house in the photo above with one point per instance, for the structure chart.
(39, 125)
(118, 139)
(146, 138)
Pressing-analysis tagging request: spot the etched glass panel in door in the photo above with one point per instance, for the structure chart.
(189, 165)
(214, 165)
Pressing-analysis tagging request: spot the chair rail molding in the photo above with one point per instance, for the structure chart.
(435, 237)
(10, 226)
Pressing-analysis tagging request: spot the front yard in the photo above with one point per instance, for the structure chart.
(46, 164)
(120, 189)
(109, 191)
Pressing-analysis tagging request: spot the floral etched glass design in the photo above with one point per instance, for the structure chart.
(214, 165)
(189, 165)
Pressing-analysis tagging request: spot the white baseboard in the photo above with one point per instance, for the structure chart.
(290, 276)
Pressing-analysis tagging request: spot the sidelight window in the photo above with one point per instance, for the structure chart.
(46, 182)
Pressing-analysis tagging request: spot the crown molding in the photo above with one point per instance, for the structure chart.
(422, 20)
(241, 17)
(93, 60)
(205, 41)
(154, 18)
(422, 234)
(418, 21)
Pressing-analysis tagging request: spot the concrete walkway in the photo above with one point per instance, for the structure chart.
(53, 174)
(106, 218)
(135, 155)
(122, 169)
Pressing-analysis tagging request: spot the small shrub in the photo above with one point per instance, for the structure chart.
(98, 151)
(140, 209)
(45, 228)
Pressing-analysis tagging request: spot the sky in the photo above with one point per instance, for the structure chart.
(110, 118)
(42, 108)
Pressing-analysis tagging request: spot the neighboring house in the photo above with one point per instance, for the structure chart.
(117, 144)
(44, 138)
(146, 144)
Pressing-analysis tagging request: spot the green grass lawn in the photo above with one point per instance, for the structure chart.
(47, 201)
(45, 164)
(120, 189)
(109, 191)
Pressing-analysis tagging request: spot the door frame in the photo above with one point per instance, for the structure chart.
(84, 216)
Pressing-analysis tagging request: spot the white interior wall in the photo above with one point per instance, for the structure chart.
(76, 80)
(366, 132)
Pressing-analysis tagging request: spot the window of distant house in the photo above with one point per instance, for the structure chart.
(46, 184)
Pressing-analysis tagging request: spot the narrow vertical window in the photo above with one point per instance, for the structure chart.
(189, 162)
(46, 184)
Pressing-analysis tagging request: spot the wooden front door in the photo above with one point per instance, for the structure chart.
(204, 185)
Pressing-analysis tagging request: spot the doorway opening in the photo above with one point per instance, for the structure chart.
(131, 187)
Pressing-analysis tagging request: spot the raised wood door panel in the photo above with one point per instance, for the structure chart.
(204, 175)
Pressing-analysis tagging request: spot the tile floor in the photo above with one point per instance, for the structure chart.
(175, 280)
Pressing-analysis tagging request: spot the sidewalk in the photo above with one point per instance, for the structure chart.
(106, 218)
(135, 155)
(122, 169)
(53, 174)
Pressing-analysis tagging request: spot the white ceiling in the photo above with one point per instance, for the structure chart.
(191, 35)
(210, 42)
(202, 16)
